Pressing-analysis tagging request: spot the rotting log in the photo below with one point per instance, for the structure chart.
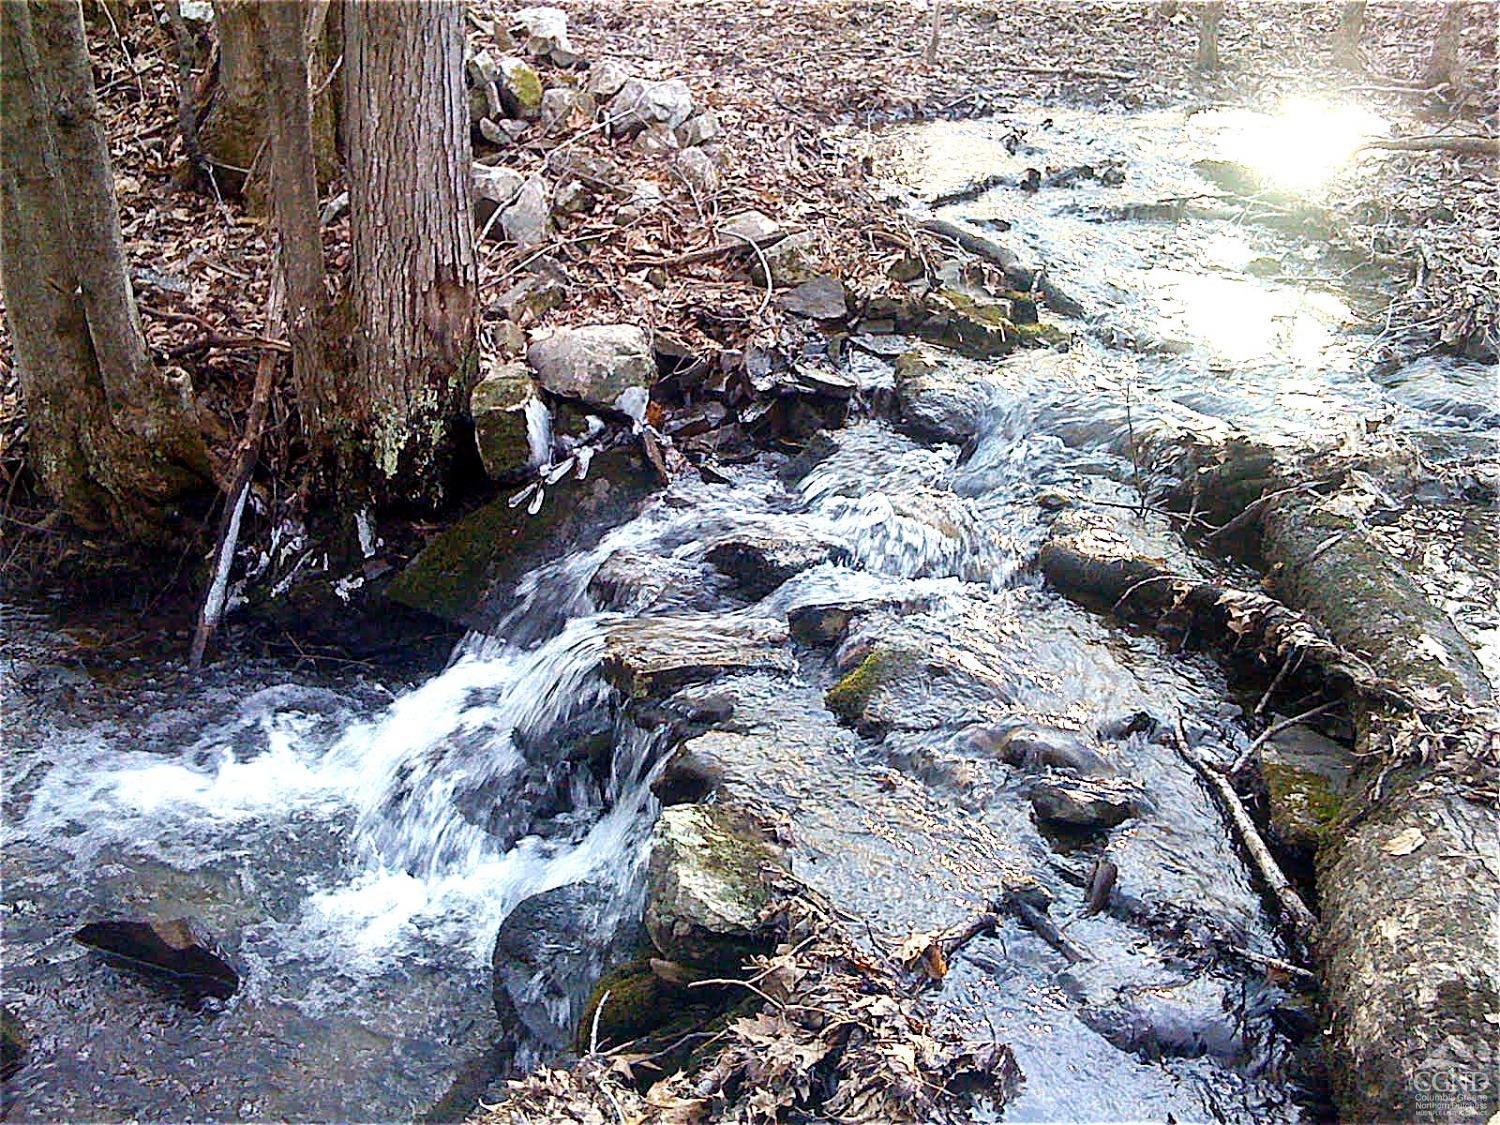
(1408, 876)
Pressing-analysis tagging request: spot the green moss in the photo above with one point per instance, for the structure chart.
(639, 1003)
(1302, 803)
(850, 698)
(1042, 335)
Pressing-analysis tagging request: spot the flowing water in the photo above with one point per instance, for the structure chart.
(356, 851)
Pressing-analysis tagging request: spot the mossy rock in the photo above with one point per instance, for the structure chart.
(853, 698)
(639, 1003)
(960, 322)
(1302, 804)
(13, 1043)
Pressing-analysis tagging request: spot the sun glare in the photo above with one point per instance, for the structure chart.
(1305, 143)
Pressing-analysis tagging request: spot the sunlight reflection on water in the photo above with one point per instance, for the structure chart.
(1300, 147)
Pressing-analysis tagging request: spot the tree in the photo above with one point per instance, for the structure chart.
(413, 273)
(1443, 63)
(114, 440)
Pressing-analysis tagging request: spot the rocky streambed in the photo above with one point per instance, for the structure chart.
(833, 670)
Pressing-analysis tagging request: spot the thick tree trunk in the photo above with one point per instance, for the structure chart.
(1209, 16)
(114, 441)
(413, 273)
(1443, 64)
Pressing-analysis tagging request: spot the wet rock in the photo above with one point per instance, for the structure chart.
(1307, 778)
(633, 582)
(640, 103)
(759, 564)
(520, 88)
(177, 950)
(654, 656)
(822, 298)
(698, 129)
(14, 1044)
(937, 402)
(699, 767)
(606, 78)
(706, 888)
(1079, 803)
(1139, 1011)
(499, 405)
(548, 953)
(1054, 499)
(543, 33)
(1031, 747)
(960, 322)
(697, 420)
(825, 623)
(596, 364)
(792, 261)
(528, 221)
(494, 188)
(856, 698)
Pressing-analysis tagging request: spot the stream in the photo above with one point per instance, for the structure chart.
(355, 850)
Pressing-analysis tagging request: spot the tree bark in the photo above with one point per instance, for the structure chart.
(1351, 27)
(1209, 16)
(413, 274)
(1444, 60)
(114, 441)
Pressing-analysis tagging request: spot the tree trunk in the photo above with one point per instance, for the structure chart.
(1444, 59)
(234, 120)
(1209, 16)
(1351, 27)
(283, 36)
(413, 274)
(114, 441)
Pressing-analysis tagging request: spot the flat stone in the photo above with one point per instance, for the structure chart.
(1033, 747)
(499, 404)
(596, 364)
(822, 298)
(654, 656)
(606, 78)
(706, 888)
(748, 226)
(177, 950)
(699, 169)
(1082, 803)
(792, 261)
(698, 129)
(543, 32)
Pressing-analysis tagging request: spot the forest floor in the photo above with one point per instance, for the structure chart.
(795, 85)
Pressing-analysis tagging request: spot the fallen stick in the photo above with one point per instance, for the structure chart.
(245, 456)
(1046, 929)
(1302, 920)
(1068, 72)
(1272, 731)
(1488, 145)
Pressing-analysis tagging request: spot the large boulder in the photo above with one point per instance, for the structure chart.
(938, 401)
(177, 951)
(706, 888)
(549, 952)
(503, 404)
(1084, 804)
(758, 563)
(599, 364)
(640, 103)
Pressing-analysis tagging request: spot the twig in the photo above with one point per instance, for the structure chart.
(1272, 731)
(228, 343)
(1275, 963)
(594, 1029)
(239, 488)
(1302, 920)
(1045, 928)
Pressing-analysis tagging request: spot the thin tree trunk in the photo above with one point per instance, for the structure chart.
(1444, 59)
(114, 441)
(1209, 16)
(413, 274)
(294, 198)
(1351, 27)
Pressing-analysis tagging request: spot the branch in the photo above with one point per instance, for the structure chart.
(1489, 146)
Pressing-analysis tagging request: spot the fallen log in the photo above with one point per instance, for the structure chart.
(1488, 146)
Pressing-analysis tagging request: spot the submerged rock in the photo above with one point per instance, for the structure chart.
(1155, 1018)
(596, 364)
(501, 404)
(177, 950)
(1031, 747)
(549, 952)
(937, 402)
(13, 1044)
(706, 889)
(634, 581)
(654, 656)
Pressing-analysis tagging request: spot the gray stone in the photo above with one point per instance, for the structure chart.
(606, 78)
(698, 129)
(822, 298)
(543, 33)
(791, 261)
(494, 188)
(520, 88)
(596, 364)
(640, 103)
(528, 299)
(706, 888)
(14, 1042)
(1140, 1007)
(1082, 803)
(937, 402)
(748, 226)
(527, 221)
(559, 105)
(498, 405)
(655, 139)
(1030, 747)
(759, 564)
(503, 132)
(573, 198)
(699, 169)
(654, 656)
